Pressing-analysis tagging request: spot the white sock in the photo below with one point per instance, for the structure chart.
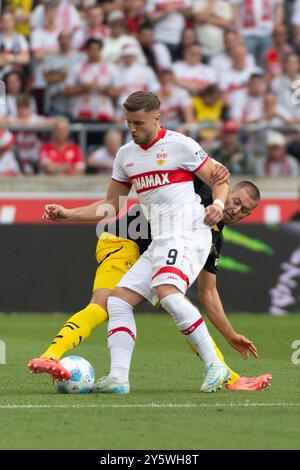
(121, 337)
(190, 323)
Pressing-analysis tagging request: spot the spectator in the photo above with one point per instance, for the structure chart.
(57, 68)
(14, 87)
(103, 158)
(249, 108)
(258, 19)
(188, 38)
(212, 18)
(134, 15)
(14, 52)
(113, 45)
(231, 153)
(132, 76)
(27, 142)
(191, 73)
(157, 54)
(223, 61)
(277, 162)
(210, 109)
(176, 103)
(92, 28)
(43, 42)
(90, 85)
(295, 20)
(168, 22)
(236, 78)
(283, 85)
(67, 18)
(277, 51)
(275, 114)
(8, 163)
(22, 12)
(60, 155)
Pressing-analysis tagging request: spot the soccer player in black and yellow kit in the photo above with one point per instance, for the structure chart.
(117, 251)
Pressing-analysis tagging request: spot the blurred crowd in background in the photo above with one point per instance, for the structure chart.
(227, 73)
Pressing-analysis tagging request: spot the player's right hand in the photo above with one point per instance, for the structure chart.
(213, 215)
(55, 212)
(243, 345)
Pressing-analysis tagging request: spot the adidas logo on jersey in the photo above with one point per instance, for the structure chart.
(150, 181)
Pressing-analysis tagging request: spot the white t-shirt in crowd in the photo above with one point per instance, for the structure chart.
(93, 105)
(83, 34)
(101, 155)
(211, 37)
(246, 108)
(168, 29)
(113, 47)
(28, 143)
(171, 106)
(283, 114)
(234, 82)
(42, 39)
(233, 79)
(202, 74)
(257, 16)
(67, 19)
(276, 169)
(8, 164)
(222, 62)
(282, 86)
(295, 18)
(9, 109)
(13, 43)
(162, 56)
(134, 78)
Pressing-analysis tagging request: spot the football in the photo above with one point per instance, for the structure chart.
(82, 379)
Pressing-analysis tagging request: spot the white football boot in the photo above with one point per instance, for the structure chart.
(111, 385)
(216, 377)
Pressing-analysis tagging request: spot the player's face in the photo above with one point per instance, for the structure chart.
(143, 126)
(238, 206)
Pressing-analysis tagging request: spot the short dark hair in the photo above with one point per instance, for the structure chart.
(142, 100)
(256, 75)
(251, 189)
(91, 41)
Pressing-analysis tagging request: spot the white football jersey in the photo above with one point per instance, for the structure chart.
(162, 174)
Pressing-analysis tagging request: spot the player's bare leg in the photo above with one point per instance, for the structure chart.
(74, 332)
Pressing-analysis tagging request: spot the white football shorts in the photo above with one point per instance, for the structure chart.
(175, 261)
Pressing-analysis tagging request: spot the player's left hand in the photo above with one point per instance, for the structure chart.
(220, 175)
(213, 215)
(243, 345)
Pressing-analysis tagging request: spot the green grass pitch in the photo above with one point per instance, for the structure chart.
(165, 409)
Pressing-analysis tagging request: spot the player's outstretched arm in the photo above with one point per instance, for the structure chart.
(109, 207)
(214, 212)
(213, 307)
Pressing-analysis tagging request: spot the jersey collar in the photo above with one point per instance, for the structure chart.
(160, 136)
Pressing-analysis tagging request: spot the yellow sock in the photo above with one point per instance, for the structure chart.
(76, 330)
(234, 375)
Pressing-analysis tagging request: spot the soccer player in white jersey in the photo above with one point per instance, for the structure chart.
(160, 164)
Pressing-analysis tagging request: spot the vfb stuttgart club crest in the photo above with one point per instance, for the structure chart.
(161, 158)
